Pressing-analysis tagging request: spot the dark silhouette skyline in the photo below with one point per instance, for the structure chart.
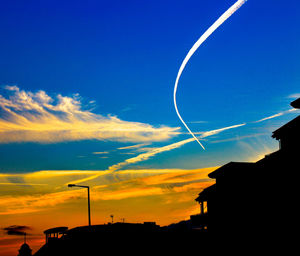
(248, 202)
(258, 198)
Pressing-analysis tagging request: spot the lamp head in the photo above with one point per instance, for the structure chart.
(71, 185)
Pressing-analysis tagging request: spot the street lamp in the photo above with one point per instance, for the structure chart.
(89, 206)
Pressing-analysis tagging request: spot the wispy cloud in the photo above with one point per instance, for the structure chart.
(134, 146)
(147, 155)
(37, 117)
(16, 230)
(33, 203)
(100, 153)
(275, 115)
(197, 122)
(294, 96)
(217, 131)
(154, 151)
(238, 138)
(109, 186)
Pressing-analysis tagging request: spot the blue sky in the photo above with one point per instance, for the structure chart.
(86, 97)
(120, 58)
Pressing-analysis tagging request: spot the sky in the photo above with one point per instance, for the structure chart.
(86, 96)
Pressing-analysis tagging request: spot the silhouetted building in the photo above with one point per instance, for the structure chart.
(296, 103)
(25, 250)
(288, 135)
(87, 240)
(120, 238)
(201, 220)
(256, 198)
(54, 233)
(248, 199)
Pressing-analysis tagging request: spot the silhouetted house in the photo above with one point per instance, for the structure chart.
(54, 233)
(223, 200)
(88, 240)
(256, 198)
(296, 103)
(201, 220)
(25, 250)
(288, 135)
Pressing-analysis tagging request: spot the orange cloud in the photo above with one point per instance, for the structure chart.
(161, 195)
(127, 193)
(107, 186)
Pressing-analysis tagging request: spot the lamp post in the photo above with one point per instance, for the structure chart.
(89, 206)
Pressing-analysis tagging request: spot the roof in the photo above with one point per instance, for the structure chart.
(56, 230)
(232, 168)
(117, 227)
(288, 128)
(206, 193)
(296, 103)
(25, 247)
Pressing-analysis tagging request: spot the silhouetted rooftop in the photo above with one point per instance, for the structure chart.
(25, 250)
(55, 230)
(206, 193)
(231, 168)
(118, 227)
(25, 247)
(289, 128)
(296, 103)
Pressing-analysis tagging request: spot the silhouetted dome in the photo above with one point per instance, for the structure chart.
(25, 250)
(25, 247)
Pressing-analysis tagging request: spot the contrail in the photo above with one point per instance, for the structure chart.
(207, 33)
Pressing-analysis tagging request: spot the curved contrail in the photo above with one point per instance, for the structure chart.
(207, 33)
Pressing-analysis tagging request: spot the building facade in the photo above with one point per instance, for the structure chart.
(256, 198)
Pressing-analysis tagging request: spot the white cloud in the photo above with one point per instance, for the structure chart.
(216, 131)
(134, 146)
(276, 115)
(37, 117)
(100, 153)
(154, 151)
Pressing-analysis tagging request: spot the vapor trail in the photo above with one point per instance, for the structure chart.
(207, 33)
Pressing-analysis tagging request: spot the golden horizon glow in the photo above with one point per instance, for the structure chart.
(109, 186)
(162, 195)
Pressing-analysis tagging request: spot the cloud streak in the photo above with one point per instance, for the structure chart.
(276, 115)
(110, 186)
(37, 117)
(153, 152)
(32, 203)
(16, 230)
(133, 146)
(199, 42)
(294, 96)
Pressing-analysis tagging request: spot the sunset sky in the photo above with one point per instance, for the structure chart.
(86, 97)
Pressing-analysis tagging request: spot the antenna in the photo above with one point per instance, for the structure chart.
(112, 218)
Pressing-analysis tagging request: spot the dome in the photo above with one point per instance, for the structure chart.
(25, 247)
(25, 250)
